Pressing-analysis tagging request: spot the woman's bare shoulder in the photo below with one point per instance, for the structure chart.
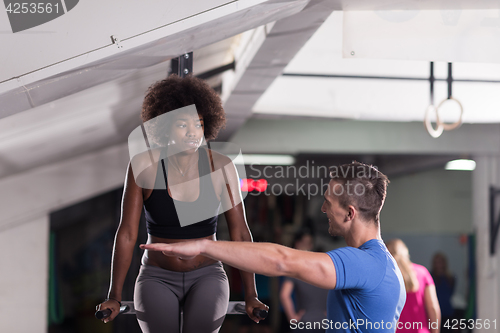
(217, 159)
(146, 158)
(143, 166)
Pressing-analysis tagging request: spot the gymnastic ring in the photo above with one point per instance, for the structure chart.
(449, 127)
(435, 133)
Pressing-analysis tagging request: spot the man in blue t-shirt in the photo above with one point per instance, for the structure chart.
(367, 291)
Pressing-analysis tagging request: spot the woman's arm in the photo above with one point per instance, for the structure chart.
(432, 306)
(232, 203)
(287, 302)
(125, 239)
(239, 231)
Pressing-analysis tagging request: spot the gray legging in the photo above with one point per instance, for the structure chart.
(160, 293)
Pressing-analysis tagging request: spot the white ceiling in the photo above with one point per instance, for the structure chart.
(94, 107)
(375, 99)
(97, 105)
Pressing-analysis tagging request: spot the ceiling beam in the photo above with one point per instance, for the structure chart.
(64, 78)
(286, 37)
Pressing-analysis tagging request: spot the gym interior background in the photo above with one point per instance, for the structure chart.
(314, 83)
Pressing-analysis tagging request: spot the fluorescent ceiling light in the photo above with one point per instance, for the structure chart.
(248, 159)
(465, 165)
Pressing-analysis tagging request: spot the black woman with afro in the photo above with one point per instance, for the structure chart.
(192, 176)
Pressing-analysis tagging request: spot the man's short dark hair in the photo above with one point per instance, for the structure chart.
(174, 93)
(362, 186)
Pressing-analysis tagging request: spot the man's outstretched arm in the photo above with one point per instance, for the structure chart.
(262, 258)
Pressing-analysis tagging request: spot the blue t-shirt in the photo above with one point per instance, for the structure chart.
(370, 291)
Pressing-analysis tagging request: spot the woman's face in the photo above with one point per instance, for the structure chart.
(186, 132)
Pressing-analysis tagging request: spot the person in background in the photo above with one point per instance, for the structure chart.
(445, 286)
(421, 313)
(311, 300)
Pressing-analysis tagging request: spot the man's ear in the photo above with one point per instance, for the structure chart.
(351, 213)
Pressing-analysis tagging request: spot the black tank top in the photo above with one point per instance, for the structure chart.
(162, 212)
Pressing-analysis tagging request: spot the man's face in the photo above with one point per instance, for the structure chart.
(334, 212)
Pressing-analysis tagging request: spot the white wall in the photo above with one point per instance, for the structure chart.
(24, 261)
(436, 201)
(330, 136)
(487, 174)
(25, 201)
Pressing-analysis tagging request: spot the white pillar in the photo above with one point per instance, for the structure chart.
(486, 174)
(24, 262)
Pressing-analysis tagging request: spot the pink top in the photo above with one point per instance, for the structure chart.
(414, 316)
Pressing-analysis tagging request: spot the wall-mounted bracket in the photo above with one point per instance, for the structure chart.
(182, 65)
(115, 40)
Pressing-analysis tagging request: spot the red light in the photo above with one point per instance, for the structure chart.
(260, 185)
(247, 185)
